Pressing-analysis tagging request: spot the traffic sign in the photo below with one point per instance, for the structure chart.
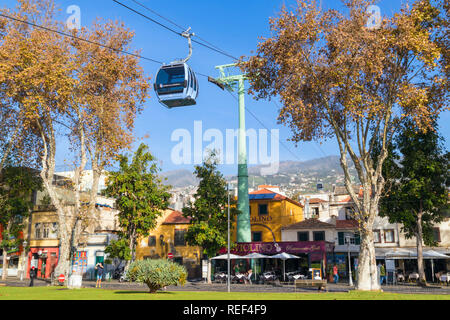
(61, 278)
(170, 255)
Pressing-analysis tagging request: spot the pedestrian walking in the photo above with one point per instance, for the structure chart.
(33, 274)
(335, 274)
(100, 269)
(382, 274)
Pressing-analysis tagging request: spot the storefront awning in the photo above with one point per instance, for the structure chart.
(402, 253)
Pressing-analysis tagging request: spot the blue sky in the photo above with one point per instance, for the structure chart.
(232, 25)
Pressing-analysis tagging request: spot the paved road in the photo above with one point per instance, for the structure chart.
(201, 286)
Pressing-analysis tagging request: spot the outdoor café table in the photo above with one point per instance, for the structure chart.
(445, 278)
(414, 276)
(240, 276)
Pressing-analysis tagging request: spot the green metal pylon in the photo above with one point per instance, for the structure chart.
(230, 82)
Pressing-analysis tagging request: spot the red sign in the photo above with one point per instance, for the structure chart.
(170, 255)
(61, 278)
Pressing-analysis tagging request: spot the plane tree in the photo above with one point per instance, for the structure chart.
(340, 76)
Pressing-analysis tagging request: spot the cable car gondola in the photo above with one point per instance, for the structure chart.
(176, 84)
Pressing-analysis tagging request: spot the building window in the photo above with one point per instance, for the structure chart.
(376, 236)
(389, 236)
(257, 236)
(151, 241)
(303, 236)
(262, 209)
(353, 238)
(348, 213)
(315, 212)
(46, 230)
(37, 230)
(319, 235)
(179, 238)
(436, 235)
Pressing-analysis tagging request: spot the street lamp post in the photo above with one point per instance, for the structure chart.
(228, 248)
(350, 280)
(24, 263)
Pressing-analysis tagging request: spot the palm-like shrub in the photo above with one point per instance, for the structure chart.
(157, 274)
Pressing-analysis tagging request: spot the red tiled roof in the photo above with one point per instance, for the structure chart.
(346, 224)
(309, 224)
(316, 200)
(261, 191)
(176, 217)
(348, 199)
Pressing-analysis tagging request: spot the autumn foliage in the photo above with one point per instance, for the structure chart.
(336, 76)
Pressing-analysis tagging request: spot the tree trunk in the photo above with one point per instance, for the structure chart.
(419, 237)
(5, 255)
(5, 264)
(367, 269)
(209, 272)
(132, 246)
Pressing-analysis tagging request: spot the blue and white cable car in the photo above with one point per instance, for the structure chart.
(176, 84)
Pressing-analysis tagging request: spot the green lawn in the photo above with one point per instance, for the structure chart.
(60, 293)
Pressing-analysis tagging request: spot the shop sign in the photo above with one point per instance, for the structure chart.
(261, 219)
(274, 248)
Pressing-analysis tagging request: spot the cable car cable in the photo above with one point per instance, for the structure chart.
(260, 122)
(85, 40)
(175, 24)
(78, 38)
(176, 32)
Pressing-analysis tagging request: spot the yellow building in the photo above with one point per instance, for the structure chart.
(269, 212)
(43, 241)
(168, 239)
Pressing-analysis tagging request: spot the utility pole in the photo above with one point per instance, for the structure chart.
(228, 247)
(231, 83)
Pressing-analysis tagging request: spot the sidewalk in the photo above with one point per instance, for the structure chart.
(222, 287)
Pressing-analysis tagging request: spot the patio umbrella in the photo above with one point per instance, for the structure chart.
(284, 256)
(432, 254)
(255, 255)
(225, 256)
(399, 253)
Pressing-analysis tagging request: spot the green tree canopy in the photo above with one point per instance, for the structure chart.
(208, 213)
(420, 182)
(16, 187)
(418, 186)
(140, 195)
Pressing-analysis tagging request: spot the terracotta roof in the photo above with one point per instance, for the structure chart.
(316, 200)
(348, 199)
(346, 224)
(309, 224)
(176, 217)
(261, 191)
